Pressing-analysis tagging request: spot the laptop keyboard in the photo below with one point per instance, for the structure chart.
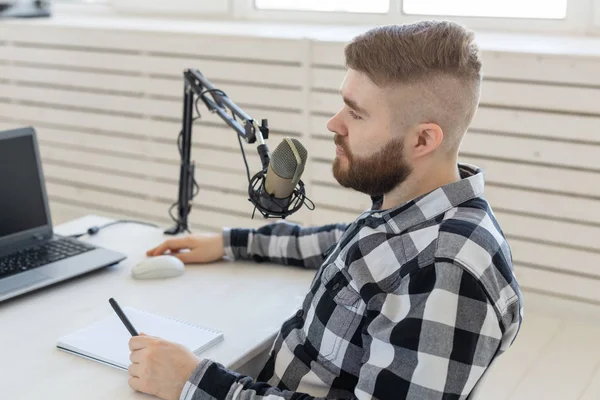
(40, 255)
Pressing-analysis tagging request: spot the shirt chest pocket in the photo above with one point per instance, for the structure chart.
(338, 312)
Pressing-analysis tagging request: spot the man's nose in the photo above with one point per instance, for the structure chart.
(335, 125)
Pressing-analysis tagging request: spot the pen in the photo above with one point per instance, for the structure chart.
(123, 317)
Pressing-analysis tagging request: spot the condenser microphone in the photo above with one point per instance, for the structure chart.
(277, 195)
(285, 168)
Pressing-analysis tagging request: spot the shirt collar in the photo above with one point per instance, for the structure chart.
(434, 203)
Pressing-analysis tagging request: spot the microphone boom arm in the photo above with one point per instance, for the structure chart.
(196, 84)
(200, 86)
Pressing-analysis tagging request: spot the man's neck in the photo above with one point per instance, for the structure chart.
(419, 184)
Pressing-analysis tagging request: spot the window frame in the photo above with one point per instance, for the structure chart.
(194, 7)
(583, 16)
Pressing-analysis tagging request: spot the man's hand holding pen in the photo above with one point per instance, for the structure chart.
(159, 367)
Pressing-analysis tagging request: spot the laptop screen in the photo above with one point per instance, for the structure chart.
(22, 204)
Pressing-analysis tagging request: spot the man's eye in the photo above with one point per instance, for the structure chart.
(354, 115)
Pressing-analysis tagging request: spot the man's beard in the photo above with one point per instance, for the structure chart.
(374, 175)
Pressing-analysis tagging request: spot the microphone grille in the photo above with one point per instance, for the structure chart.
(283, 159)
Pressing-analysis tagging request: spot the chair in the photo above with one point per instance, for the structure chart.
(476, 393)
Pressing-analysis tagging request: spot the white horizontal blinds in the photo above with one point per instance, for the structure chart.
(107, 106)
(537, 137)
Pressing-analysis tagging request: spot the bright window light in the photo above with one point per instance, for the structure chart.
(359, 6)
(550, 9)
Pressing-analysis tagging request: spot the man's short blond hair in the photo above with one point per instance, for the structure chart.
(439, 63)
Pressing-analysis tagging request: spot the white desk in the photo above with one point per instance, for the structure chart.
(247, 301)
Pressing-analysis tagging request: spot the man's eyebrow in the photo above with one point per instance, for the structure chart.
(352, 104)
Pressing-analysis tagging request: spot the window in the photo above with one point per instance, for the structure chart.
(548, 9)
(359, 6)
(550, 16)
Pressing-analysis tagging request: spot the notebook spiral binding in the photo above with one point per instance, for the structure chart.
(180, 321)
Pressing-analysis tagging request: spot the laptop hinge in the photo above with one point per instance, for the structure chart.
(40, 238)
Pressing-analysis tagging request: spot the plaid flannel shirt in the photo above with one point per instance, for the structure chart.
(408, 303)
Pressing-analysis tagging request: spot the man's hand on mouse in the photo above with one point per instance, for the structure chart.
(159, 367)
(202, 248)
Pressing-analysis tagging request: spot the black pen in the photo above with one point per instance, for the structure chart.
(123, 317)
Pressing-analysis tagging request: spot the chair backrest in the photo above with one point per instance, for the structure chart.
(476, 393)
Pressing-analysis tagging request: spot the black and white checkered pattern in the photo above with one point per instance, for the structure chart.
(409, 303)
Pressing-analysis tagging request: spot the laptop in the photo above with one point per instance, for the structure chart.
(31, 256)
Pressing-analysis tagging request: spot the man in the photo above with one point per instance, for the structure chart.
(417, 296)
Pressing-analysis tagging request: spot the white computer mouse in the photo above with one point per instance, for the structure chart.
(158, 267)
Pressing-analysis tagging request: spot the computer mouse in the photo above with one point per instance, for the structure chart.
(158, 267)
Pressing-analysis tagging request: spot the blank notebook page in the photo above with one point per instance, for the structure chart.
(107, 340)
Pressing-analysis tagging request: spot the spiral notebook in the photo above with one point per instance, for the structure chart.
(107, 341)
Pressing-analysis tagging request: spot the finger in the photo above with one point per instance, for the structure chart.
(135, 383)
(137, 356)
(172, 244)
(135, 370)
(153, 250)
(140, 342)
(160, 249)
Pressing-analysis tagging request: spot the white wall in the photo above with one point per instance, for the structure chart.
(107, 105)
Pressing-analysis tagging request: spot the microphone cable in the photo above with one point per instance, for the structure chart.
(95, 229)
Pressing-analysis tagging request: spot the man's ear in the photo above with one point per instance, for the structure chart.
(427, 138)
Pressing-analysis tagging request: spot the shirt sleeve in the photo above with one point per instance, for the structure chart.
(432, 338)
(283, 243)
